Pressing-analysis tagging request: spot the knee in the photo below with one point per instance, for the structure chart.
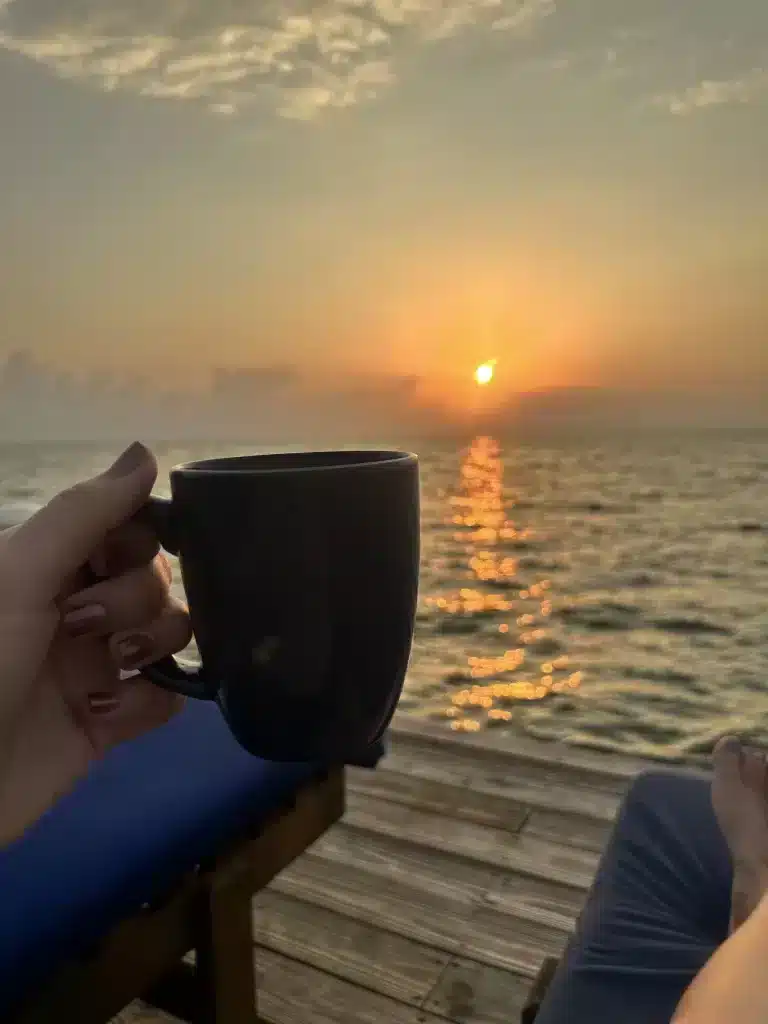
(648, 785)
(659, 787)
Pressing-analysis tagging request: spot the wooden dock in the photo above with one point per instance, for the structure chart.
(460, 864)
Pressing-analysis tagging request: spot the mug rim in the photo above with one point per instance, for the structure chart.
(357, 458)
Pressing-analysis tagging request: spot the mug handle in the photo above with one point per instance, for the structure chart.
(167, 672)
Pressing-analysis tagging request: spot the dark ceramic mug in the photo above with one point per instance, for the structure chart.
(301, 574)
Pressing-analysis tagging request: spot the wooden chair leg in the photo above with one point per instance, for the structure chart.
(225, 957)
(177, 992)
(219, 987)
(539, 990)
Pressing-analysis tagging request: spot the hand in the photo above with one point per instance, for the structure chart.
(84, 596)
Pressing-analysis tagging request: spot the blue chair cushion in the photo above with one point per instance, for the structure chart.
(146, 814)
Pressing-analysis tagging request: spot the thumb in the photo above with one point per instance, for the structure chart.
(58, 539)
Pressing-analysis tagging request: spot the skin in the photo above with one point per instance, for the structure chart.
(84, 593)
(84, 596)
(733, 985)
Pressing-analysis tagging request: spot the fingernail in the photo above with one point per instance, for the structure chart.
(134, 650)
(84, 620)
(129, 461)
(128, 673)
(101, 703)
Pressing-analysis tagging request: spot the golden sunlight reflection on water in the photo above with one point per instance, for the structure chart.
(527, 668)
(637, 565)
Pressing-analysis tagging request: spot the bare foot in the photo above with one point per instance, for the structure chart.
(740, 800)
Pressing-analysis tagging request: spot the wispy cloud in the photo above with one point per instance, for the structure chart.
(716, 93)
(298, 55)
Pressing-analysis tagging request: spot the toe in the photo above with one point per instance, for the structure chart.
(727, 759)
(753, 769)
(727, 785)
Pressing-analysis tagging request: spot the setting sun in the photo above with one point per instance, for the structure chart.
(484, 372)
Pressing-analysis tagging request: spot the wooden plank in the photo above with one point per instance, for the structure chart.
(513, 943)
(449, 922)
(535, 899)
(450, 800)
(520, 784)
(470, 993)
(571, 829)
(292, 993)
(528, 855)
(436, 920)
(356, 951)
(557, 862)
(432, 871)
(599, 769)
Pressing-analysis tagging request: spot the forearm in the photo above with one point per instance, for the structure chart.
(733, 985)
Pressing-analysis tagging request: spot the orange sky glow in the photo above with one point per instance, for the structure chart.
(253, 188)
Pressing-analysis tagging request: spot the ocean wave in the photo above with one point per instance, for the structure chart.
(600, 507)
(647, 636)
(604, 615)
(658, 675)
(458, 625)
(543, 564)
(690, 626)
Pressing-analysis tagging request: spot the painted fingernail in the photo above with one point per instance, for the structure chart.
(80, 621)
(134, 650)
(129, 461)
(102, 703)
(128, 673)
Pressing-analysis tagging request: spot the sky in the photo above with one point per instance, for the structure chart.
(575, 188)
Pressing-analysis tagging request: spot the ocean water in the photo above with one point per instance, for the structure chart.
(605, 592)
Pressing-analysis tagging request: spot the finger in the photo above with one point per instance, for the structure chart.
(50, 546)
(97, 570)
(117, 604)
(133, 707)
(123, 708)
(13, 515)
(131, 545)
(170, 632)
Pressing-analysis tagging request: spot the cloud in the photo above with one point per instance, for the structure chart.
(299, 56)
(716, 93)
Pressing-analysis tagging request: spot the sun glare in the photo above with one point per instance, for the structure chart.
(484, 372)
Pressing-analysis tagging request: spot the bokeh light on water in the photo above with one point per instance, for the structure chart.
(608, 592)
(528, 664)
(602, 591)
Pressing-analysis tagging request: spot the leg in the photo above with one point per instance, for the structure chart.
(659, 907)
(225, 958)
(220, 987)
(739, 794)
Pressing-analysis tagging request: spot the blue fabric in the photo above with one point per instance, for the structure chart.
(659, 907)
(146, 814)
